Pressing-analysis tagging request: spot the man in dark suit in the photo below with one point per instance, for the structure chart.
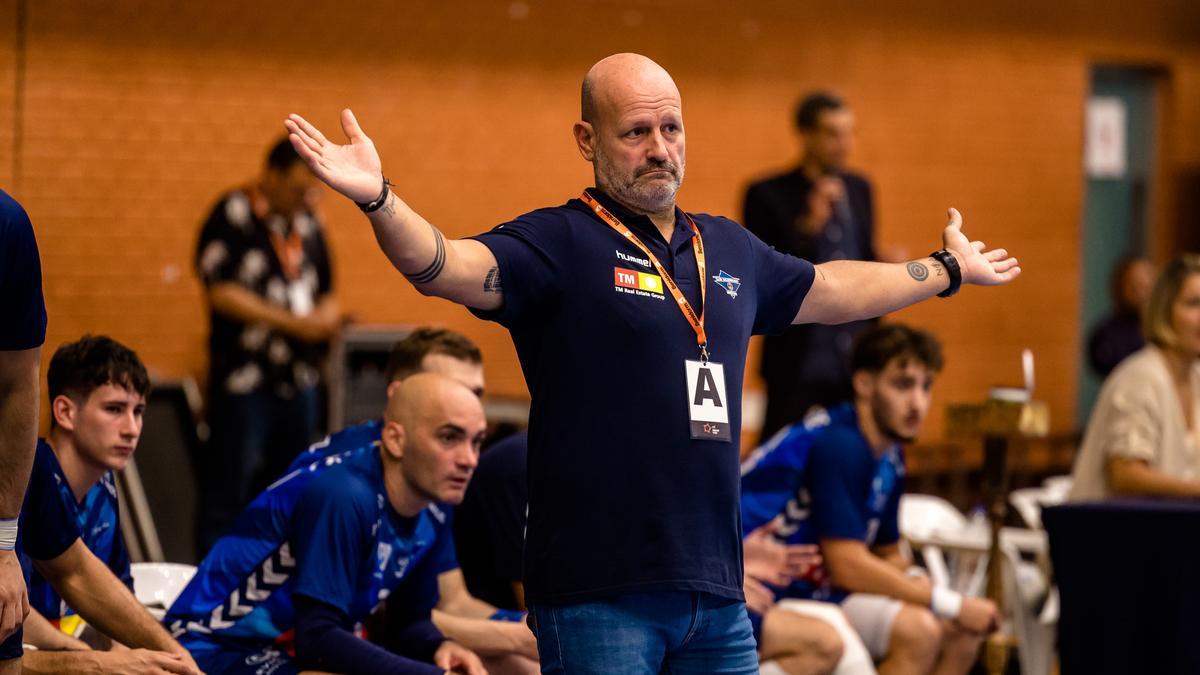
(820, 212)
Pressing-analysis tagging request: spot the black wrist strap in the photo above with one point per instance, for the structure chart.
(948, 261)
(374, 205)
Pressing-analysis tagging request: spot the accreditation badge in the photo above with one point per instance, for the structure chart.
(300, 298)
(708, 406)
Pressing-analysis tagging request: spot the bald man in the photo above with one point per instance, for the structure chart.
(311, 557)
(631, 319)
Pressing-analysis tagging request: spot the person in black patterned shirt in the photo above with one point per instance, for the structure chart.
(265, 266)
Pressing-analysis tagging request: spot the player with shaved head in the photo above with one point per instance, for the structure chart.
(631, 319)
(311, 557)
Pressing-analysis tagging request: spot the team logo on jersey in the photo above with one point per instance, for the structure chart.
(730, 283)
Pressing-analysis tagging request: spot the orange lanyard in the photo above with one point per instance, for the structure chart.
(696, 320)
(289, 251)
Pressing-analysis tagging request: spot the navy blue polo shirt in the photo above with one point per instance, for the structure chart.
(22, 308)
(621, 499)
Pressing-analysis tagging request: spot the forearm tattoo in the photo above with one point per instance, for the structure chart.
(918, 271)
(491, 283)
(937, 268)
(389, 208)
(435, 268)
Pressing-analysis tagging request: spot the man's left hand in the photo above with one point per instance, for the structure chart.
(456, 658)
(978, 265)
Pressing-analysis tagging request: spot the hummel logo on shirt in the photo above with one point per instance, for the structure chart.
(633, 259)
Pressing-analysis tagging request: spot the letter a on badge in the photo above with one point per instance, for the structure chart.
(707, 410)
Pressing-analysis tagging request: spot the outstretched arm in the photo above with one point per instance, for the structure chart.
(846, 290)
(462, 270)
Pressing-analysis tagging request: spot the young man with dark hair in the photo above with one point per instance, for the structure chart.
(325, 545)
(500, 637)
(835, 479)
(819, 211)
(266, 271)
(97, 389)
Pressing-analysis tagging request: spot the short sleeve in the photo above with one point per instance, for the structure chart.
(836, 484)
(223, 240)
(46, 528)
(119, 561)
(1132, 422)
(22, 306)
(782, 281)
(529, 251)
(331, 526)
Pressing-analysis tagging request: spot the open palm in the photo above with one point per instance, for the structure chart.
(353, 169)
(979, 265)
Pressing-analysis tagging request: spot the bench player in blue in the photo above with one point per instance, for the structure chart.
(500, 637)
(72, 539)
(835, 479)
(325, 545)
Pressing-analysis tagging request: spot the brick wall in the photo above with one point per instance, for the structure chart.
(137, 114)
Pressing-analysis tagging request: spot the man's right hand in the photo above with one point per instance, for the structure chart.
(978, 615)
(825, 192)
(144, 661)
(14, 600)
(353, 169)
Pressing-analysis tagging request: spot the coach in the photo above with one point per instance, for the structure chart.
(631, 320)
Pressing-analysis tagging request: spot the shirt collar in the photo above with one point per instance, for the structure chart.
(639, 223)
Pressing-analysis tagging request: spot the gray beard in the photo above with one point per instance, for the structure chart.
(654, 200)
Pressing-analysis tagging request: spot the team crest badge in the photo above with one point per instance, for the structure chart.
(730, 283)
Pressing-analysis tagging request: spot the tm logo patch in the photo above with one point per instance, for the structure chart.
(638, 283)
(730, 283)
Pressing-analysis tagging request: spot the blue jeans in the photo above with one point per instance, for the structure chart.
(646, 634)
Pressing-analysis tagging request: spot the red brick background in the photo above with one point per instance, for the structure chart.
(138, 113)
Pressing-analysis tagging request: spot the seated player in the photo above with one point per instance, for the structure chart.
(836, 480)
(97, 390)
(489, 526)
(322, 548)
(1141, 438)
(500, 637)
(795, 637)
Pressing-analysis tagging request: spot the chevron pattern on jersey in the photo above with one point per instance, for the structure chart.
(258, 586)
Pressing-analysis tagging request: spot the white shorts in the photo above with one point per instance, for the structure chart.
(856, 660)
(872, 617)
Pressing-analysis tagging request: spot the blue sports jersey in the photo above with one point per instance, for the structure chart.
(825, 481)
(357, 437)
(98, 518)
(325, 531)
(364, 438)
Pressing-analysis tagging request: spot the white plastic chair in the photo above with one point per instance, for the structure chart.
(1025, 585)
(1028, 502)
(949, 542)
(156, 585)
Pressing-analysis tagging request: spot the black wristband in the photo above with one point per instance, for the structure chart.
(372, 206)
(947, 259)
